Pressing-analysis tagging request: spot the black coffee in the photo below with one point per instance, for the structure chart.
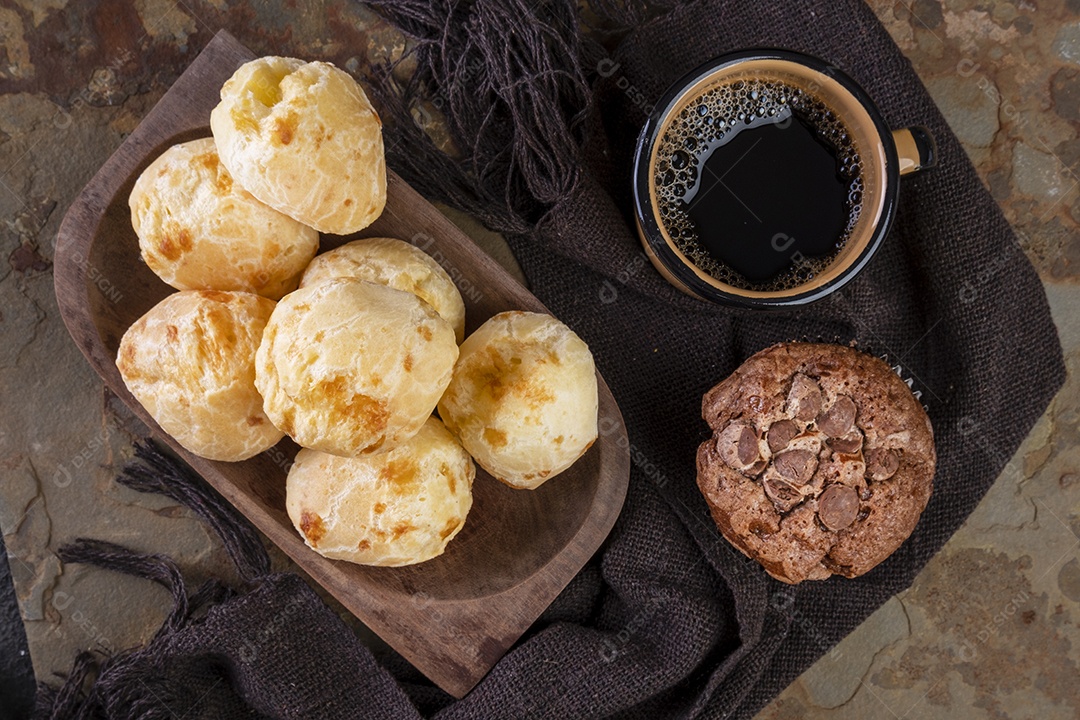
(759, 184)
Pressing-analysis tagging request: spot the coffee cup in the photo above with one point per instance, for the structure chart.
(768, 179)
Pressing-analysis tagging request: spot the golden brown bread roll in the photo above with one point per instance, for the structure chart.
(199, 230)
(523, 400)
(350, 367)
(303, 138)
(190, 361)
(395, 508)
(396, 264)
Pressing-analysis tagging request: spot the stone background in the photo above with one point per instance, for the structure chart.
(989, 630)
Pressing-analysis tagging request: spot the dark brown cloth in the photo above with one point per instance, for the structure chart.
(667, 620)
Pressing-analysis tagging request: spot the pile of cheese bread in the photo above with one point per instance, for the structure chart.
(348, 352)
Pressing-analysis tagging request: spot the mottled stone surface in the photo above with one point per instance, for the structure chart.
(989, 628)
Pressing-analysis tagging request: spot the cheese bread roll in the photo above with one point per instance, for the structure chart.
(523, 400)
(190, 361)
(397, 264)
(396, 508)
(199, 230)
(352, 368)
(304, 139)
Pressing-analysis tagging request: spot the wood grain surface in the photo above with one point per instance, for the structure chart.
(452, 617)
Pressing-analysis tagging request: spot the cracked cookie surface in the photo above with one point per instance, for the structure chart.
(821, 460)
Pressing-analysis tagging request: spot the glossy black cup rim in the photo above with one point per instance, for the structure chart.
(649, 224)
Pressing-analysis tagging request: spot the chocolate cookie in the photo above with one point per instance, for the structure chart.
(820, 463)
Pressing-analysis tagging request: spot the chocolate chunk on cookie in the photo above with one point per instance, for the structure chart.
(881, 463)
(839, 419)
(804, 398)
(838, 506)
(849, 444)
(796, 466)
(738, 446)
(781, 491)
(821, 460)
(780, 434)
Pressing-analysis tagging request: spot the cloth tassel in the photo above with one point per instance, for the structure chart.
(156, 472)
(506, 76)
(122, 685)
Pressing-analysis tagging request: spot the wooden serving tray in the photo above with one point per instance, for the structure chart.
(454, 616)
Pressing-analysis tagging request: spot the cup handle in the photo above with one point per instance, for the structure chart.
(916, 149)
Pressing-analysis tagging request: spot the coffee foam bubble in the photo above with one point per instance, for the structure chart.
(714, 118)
